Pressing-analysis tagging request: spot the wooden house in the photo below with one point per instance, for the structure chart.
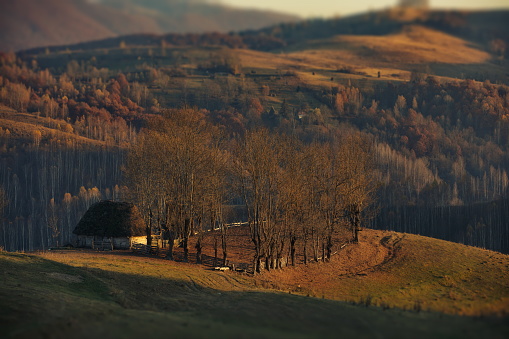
(111, 225)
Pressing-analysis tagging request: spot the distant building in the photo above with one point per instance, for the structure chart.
(111, 225)
(414, 3)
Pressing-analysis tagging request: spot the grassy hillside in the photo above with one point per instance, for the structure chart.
(475, 26)
(395, 55)
(392, 269)
(408, 271)
(413, 47)
(319, 64)
(28, 23)
(27, 129)
(83, 294)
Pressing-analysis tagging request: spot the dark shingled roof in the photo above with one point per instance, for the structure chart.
(111, 219)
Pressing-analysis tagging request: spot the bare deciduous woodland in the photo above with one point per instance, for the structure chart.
(186, 177)
(173, 122)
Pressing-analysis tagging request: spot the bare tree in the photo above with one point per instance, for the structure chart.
(257, 170)
(358, 192)
(52, 222)
(4, 201)
(3, 204)
(175, 170)
(181, 173)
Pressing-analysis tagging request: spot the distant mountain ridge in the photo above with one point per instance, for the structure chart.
(481, 28)
(34, 23)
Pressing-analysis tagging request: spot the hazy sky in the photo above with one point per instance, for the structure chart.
(326, 8)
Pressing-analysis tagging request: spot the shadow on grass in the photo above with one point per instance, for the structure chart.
(34, 303)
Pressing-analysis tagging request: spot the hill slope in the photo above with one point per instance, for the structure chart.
(478, 26)
(25, 129)
(453, 45)
(409, 271)
(440, 141)
(118, 294)
(414, 44)
(34, 23)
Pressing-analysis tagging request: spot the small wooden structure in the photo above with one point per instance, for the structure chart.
(111, 225)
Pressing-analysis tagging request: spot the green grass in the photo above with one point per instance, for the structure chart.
(114, 295)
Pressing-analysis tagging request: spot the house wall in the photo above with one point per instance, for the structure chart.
(139, 240)
(120, 243)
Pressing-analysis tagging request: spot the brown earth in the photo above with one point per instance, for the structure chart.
(385, 269)
(240, 249)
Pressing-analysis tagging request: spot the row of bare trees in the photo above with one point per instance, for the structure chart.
(296, 192)
(183, 174)
(176, 173)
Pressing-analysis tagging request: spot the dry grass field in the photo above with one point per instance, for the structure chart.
(413, 45)
(414, 286)
(409, 272)
(391, 270)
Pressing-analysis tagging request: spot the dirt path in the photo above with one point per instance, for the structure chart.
(371, 254)
(374, 249)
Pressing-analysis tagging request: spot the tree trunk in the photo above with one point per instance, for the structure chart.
(198, 246)
(149, 233)
(223, 245)
(149, 239)
(356, 225)
(305, 248)
(292, 249)
(215, 251)
(329, 247)
(185, 242)
(171, 243)
(356, 234)
(258, 264)
(186, 249)
(323, 251)
(355, 221)
(315, 247)
(225, 258)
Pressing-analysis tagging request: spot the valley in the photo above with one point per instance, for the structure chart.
(347, 176)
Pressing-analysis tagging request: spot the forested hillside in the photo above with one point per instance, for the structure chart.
(437, 125)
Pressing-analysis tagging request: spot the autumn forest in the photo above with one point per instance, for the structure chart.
(200, 130)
